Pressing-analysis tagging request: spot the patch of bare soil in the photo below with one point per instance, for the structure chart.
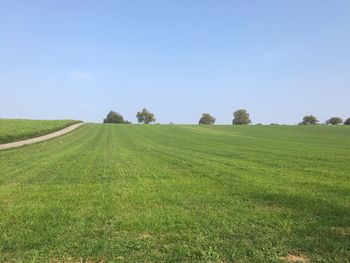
(75, 260)
(344, 231)
(272, 208)
(295, 258)
(145, 236)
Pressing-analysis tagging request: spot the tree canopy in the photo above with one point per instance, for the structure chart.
(347, 121)
(206, 119)
(114, 117)
(241, 117)
(309, 120)
(334, 121)
(145, 116)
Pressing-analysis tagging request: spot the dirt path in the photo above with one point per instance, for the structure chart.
(41, 138)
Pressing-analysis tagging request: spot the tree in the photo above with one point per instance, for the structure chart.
(334, 121)
(145, 116)
(114, 117)
(347, 121)
(206, 119)
(309, 120)
(241, 117)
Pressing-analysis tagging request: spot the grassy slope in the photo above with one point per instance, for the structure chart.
(17, 129)
(174, 193)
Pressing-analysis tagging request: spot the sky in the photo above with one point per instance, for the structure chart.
(279, 60)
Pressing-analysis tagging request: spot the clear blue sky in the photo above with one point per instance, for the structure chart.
(278, 59)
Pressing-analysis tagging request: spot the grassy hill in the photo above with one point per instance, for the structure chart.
(178, 193)
(17, 129)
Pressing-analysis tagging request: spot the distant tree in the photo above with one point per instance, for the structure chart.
(334, 121)
(347, 121)
(309, 120)
(114, 117)
(207, 119)
(145, 116)
(241, 117)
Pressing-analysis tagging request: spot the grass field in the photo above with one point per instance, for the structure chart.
(16, 129)
(169, 193)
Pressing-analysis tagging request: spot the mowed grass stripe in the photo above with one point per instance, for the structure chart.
(230, 149)
(30, 159)
(178, 193)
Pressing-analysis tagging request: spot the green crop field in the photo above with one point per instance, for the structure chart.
(170, 193)
(16, 129)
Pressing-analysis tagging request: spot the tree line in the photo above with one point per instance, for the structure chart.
(143, 116)
(312, 120)
(240, 117)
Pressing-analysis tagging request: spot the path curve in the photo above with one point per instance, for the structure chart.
(40, 138)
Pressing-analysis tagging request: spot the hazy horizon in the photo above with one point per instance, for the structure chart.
(279, 60)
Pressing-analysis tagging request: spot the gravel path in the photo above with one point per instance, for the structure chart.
(41, 138)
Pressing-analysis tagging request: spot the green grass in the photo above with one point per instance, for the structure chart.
(17, 129)
(168, 193)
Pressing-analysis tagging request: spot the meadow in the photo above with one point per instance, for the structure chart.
(175, 193)
(18, 129)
